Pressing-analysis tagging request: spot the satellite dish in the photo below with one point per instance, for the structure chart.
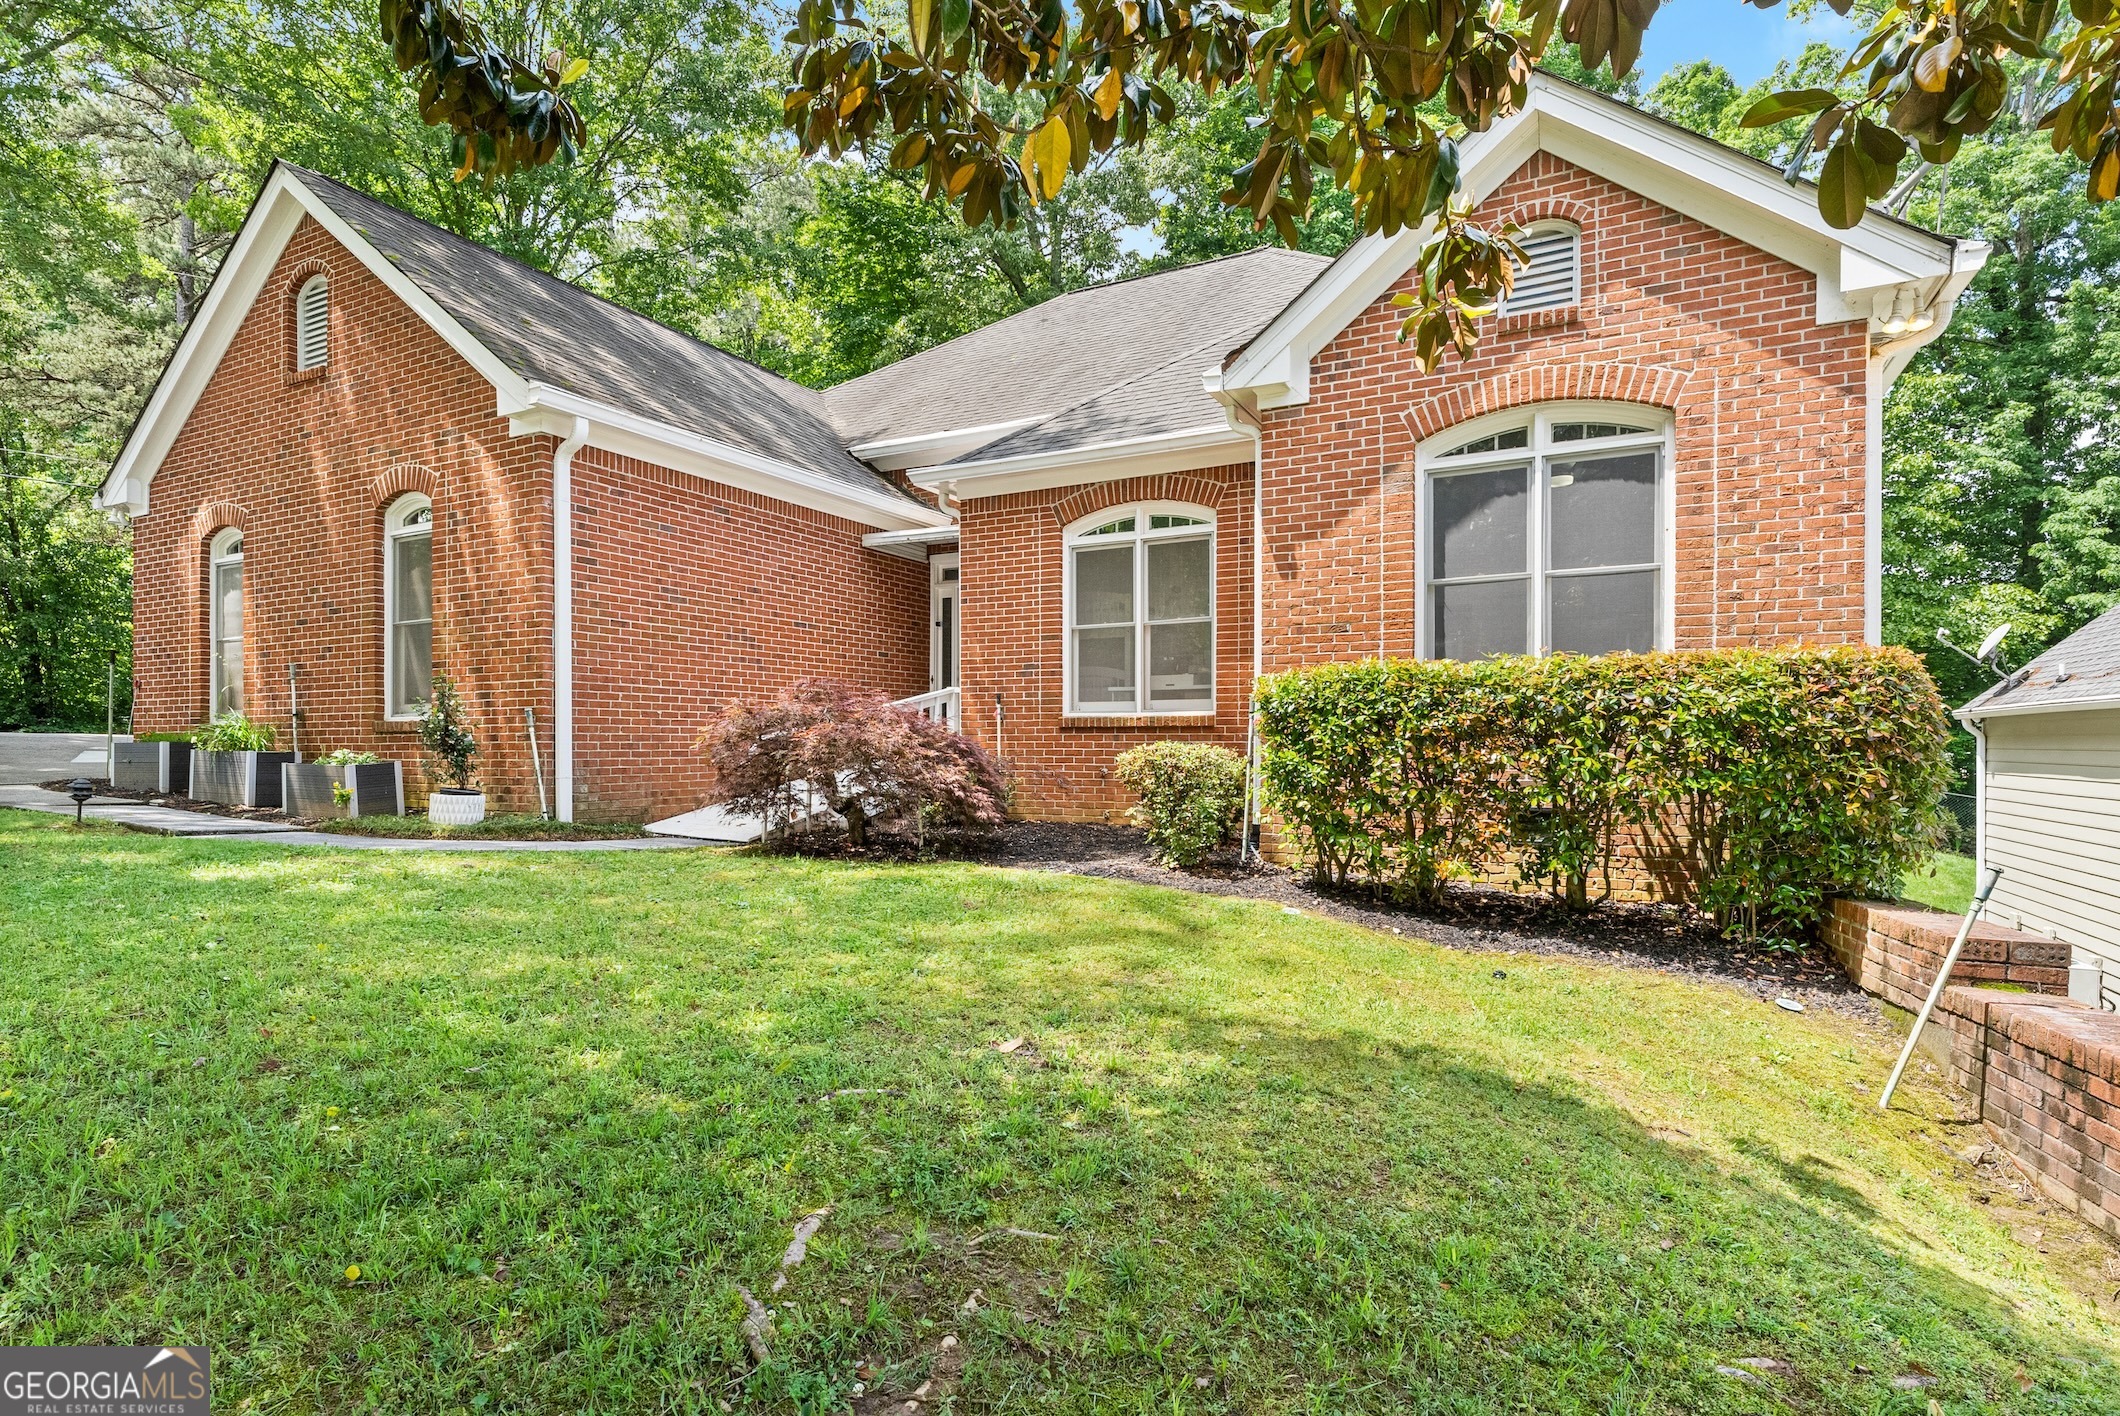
(1993, 642)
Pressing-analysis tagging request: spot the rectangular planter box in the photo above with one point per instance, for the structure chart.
(378, 789)
(238, 778)
(152, 767)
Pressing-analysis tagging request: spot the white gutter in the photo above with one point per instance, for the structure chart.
(563, 619)
(930, 449)
(1973, 713)
(1156, 454)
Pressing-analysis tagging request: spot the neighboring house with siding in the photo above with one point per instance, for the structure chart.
(2049, 795)
(381, 451)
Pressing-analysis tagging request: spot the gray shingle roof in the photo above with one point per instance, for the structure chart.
(2091, 659)
(1094, 365)
(555, 333)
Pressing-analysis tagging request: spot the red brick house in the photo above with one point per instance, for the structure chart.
(380, 449)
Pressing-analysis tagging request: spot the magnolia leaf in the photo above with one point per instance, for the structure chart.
(1047, 150)
(1110, 93)
(1843, 186)
(1791, 103)
(1933, 69)
(574, 70)
(956, 21)
(919, 15)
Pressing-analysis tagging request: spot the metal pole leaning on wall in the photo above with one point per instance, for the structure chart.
(110, 719)
(294, 713)
(537, 764)
(1943, 977)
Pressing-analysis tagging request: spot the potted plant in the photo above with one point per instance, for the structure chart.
(343, 783)
(231, 763)
(153, 762)
(450, 748)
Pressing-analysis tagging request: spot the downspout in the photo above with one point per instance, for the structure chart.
(563, 619)
(1244, 418)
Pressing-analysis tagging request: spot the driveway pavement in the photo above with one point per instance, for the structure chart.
(28, 758)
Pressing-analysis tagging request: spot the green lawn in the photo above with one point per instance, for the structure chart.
(1945, 883)
(557, 1108)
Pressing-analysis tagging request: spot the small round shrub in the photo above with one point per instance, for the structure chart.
(1191, 796)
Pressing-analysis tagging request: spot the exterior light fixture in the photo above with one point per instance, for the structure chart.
(1896, 319)
(80, 789)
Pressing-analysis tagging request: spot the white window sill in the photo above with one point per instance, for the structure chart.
(1134, 719)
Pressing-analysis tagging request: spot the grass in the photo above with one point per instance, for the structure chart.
(1945, 883)
(556, 1109)
(493, 828)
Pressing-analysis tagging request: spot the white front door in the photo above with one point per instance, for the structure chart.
(942, 630)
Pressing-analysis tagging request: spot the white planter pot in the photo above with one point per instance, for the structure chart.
(455, 806)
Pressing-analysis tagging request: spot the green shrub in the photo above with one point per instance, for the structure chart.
(1191, 796)
(233, 733)
(347, 757)
(446, 736)
(1772, 780)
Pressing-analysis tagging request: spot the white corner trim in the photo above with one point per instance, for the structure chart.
(563, 619)
(1859, 272)
(1158, 454)
(545, 409)
(929, 449)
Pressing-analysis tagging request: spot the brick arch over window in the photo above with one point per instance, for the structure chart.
(1189, 487)
(1652, 384)
(215, 517)
(400, 479)
(1576, 214)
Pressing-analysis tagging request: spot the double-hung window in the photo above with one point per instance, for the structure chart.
(408, 606)
(224, 590)
(1546, 533)
(1141, 611)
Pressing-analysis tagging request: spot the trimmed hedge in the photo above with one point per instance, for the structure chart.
(1191, 796)
(1763, 782)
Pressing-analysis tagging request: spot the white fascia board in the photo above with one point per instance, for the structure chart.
(928, 449)
(1859, 271)
(910, 545)
(1974, 712)
(1188, 450)
(545, 409)
(257, 250)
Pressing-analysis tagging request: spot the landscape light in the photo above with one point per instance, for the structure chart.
(80, 789)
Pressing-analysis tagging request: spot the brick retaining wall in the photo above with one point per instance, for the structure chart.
(2044, 1070)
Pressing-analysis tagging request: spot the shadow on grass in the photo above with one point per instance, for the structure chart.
(555, 1137)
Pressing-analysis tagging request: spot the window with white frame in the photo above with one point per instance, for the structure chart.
(1550, 275)
(1546, 531)
(224, 591)
(1141, 610)
(408, 606)
(312, 323)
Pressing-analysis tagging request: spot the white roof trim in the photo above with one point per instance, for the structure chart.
(1155, 455)
(250, 262)
(1973, 712)
(545, 409)
(911, 545)
(278, 210)
(927, 449)
(1859, 271)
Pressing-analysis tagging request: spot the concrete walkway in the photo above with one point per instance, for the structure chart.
(29, 758)
(168, 821)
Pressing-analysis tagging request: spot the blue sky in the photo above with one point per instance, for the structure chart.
(1742, 38)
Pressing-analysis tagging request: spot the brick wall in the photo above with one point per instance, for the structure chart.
(687, 593)
(1014, 632)
(690, 595)
(1769, 421)
(305, 464)
(2044, 1070)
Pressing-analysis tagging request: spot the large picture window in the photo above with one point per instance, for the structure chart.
(224, 589)
(408, 606)
(1546, 534)
(1141, 611)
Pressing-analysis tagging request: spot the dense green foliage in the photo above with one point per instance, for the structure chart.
(1758, 784)
(445, 734)
(556, 1109)
(232, 732)
(1192, 794)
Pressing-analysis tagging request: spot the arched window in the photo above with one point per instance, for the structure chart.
(1551, 275)
(1141, 610)
(1546, 530)
(312, 323)
(408, 606)
(224, 590)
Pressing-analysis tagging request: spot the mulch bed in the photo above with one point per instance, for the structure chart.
(1661, 938)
